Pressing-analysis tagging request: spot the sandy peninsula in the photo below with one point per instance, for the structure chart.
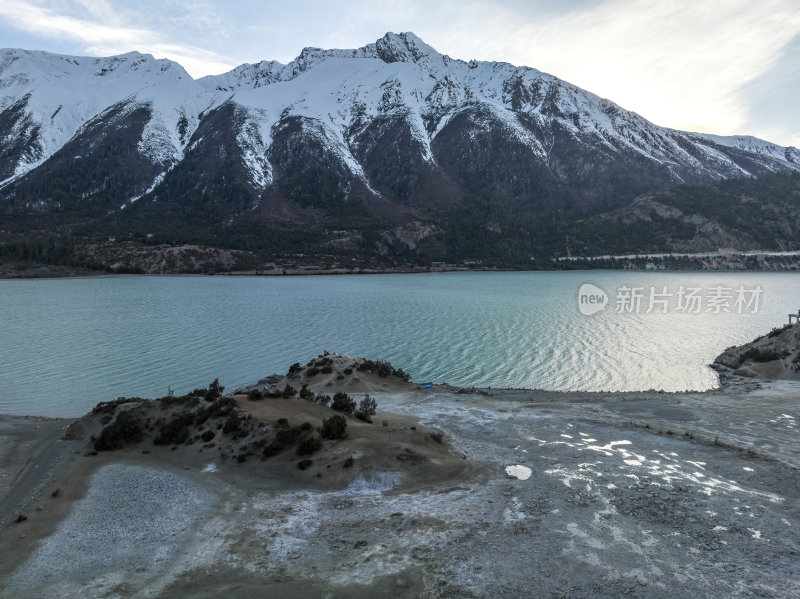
(447, 492)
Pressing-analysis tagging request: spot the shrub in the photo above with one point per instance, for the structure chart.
(759, 355)
(289, 391)
(214, 391)
(222, 407)
(778, 331)
(255, 395)
(176, 431)
(334, 427)
(286, 435)
(304, 464)
(367, 405)
(207, 436)
(767, 356)
(383, 369)
(366, 409)
(309, 446)
(272, 449)
(182, 400)
(348, 371)
(327, 370)
(313, 371)
(295, 368)
(289, 436)
(306, 393)
(231, 426)
(401, 374)
(322, 399)
(125, 429)
(109, 407)
(343, 403)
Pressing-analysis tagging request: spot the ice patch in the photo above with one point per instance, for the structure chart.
(212, 467)
(518, 472)
(374, 485)
(515, 514)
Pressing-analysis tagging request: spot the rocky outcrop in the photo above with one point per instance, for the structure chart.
(770, 356)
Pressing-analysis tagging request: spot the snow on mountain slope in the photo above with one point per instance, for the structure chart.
(751, 145)
(59, 94)
(397, 88)
(345, 89)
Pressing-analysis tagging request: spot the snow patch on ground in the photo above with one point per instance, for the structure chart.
(518, 472)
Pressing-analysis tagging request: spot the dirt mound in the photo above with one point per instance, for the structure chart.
(298, 440)
(332, 372)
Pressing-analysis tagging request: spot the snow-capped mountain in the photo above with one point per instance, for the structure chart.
(346, 90)
(393, 131)
(53, 97)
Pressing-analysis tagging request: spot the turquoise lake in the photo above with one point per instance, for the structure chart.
(67, 344)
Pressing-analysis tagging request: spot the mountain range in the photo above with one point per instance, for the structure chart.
(392, 151)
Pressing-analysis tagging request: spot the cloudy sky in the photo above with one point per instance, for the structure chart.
(717, 66)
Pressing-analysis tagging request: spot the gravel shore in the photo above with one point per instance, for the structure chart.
(664, 495)
(130, 524)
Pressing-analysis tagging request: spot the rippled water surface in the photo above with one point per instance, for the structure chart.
(67, 344)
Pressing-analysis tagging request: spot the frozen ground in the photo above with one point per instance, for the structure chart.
(629, 495)
(131, 522)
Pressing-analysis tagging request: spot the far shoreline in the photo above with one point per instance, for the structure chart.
(420, 271)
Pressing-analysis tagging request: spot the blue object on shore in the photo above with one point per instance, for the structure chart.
(429, 385)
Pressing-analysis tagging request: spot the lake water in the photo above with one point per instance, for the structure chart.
(67, 344)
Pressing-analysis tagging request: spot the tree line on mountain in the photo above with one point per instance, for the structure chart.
(759, 210)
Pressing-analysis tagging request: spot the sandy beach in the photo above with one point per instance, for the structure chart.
(628, 495)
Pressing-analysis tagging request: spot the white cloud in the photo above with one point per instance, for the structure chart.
(105, 39)
(678, 63)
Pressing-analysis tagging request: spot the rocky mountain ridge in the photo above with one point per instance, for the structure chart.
(389, 149)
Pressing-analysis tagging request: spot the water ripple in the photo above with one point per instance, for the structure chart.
(66, 345)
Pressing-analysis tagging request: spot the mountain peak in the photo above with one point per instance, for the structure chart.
(403, 47)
